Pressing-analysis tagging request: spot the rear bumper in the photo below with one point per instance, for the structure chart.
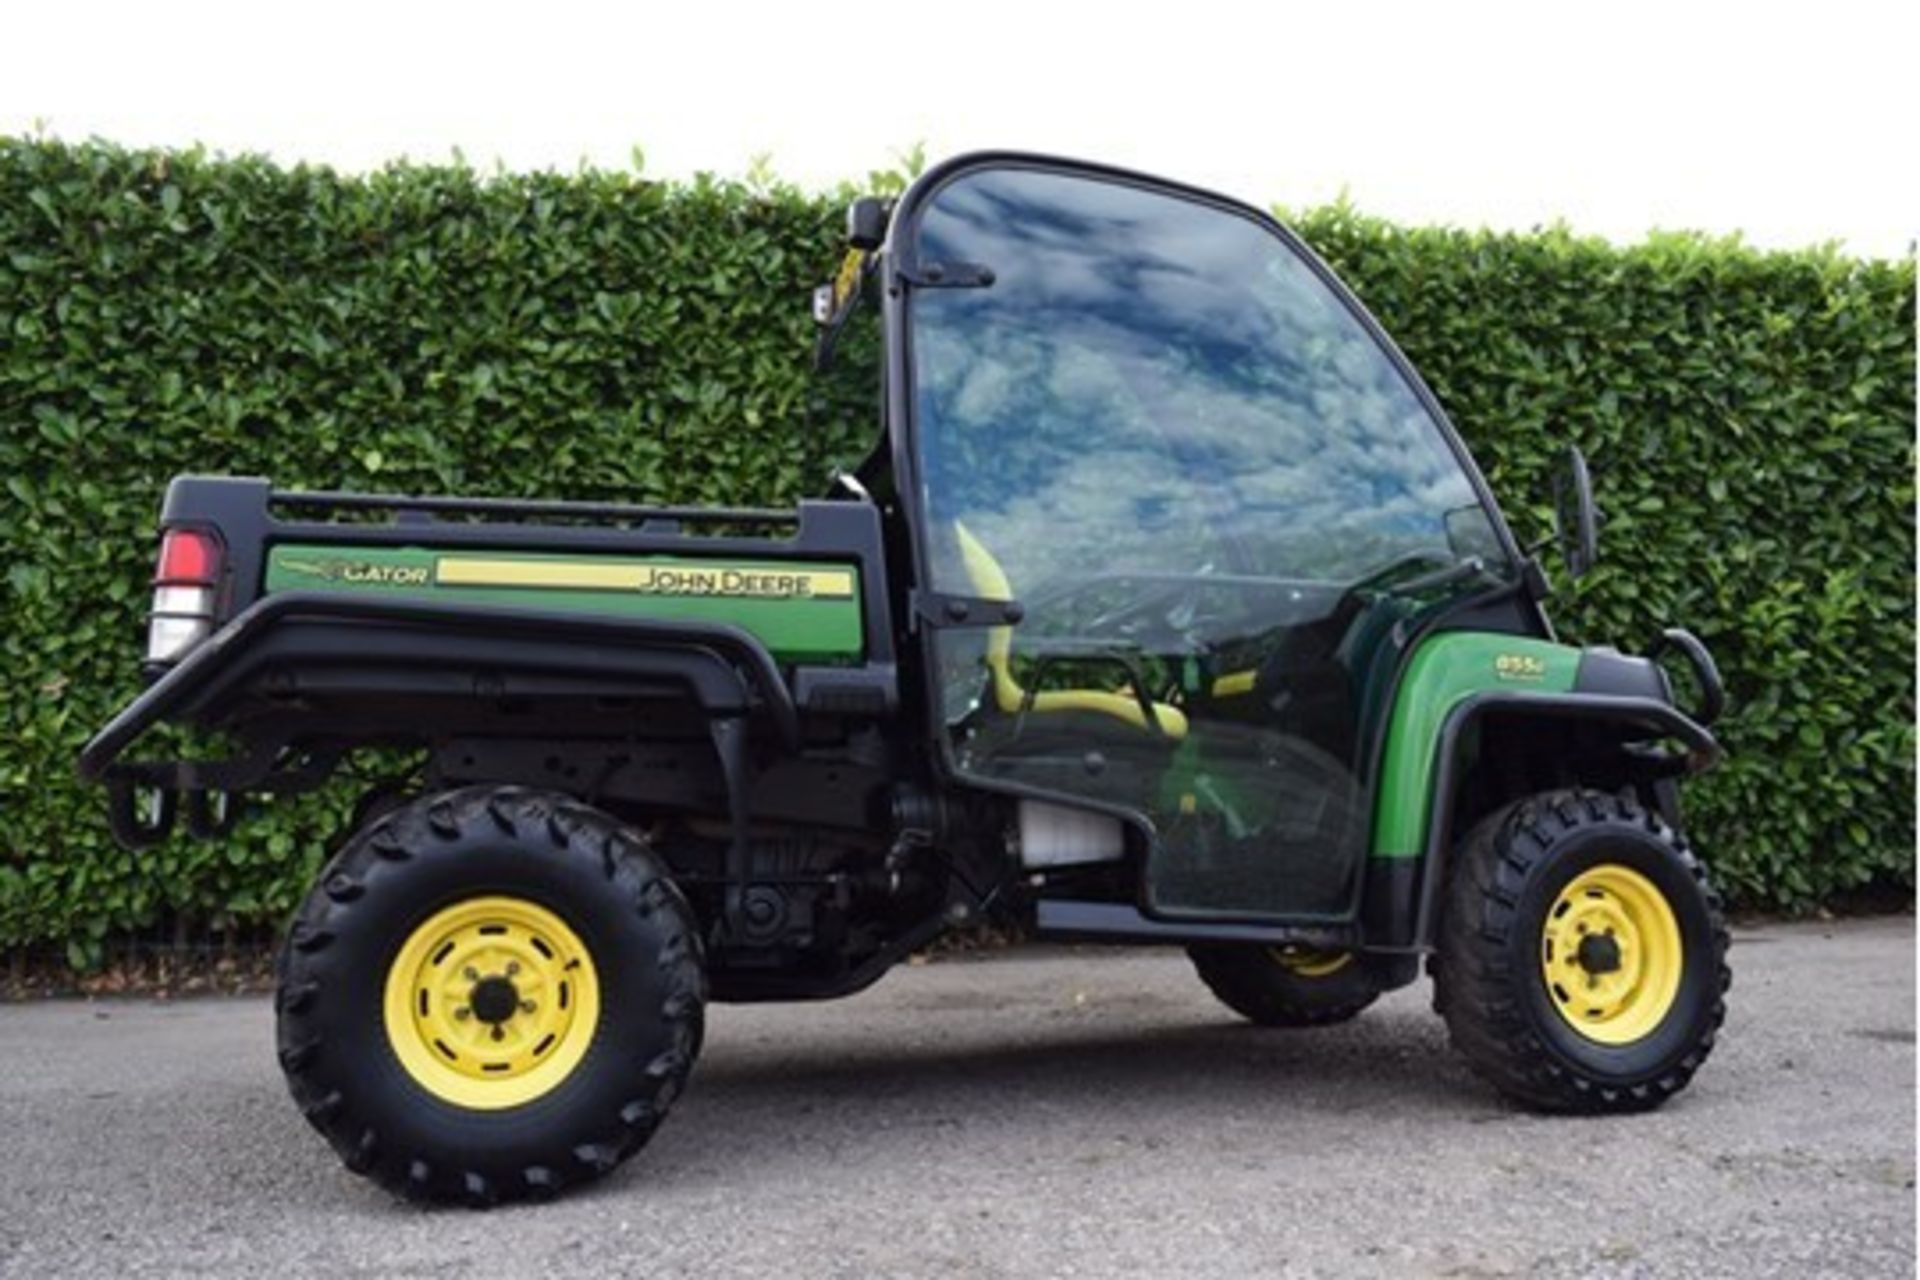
(391, 641)
(214, 664)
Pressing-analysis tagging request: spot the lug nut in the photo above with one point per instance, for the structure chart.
(463, 1013)
(526, 1006)
(513, 967)
(473, 975)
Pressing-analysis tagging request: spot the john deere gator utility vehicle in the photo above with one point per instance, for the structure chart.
(1168, 609)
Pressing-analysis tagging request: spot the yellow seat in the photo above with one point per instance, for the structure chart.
(990, 583)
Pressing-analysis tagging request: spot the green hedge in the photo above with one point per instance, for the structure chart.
(1750, 417)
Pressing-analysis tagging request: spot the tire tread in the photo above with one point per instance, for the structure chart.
(636, 876)
(1475, 986)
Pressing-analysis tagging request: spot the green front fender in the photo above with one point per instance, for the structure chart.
(1451, 682)
(1445, 671)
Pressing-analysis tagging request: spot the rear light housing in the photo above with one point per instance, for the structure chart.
(185, 582)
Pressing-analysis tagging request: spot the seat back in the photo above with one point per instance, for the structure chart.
(990, 583)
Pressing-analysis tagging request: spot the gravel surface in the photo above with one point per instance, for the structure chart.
(1038, 1112)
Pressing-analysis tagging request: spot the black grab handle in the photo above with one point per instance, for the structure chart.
(1713, 694)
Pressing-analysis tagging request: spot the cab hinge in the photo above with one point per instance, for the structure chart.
(947, 275)
(936, 609)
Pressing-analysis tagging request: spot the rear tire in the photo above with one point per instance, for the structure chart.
(492, 994)
(1277, 988)
(1581, 959)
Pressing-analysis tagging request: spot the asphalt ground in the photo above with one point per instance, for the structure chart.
(1041, 1112)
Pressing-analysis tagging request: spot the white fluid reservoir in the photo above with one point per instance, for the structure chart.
(1053, 835)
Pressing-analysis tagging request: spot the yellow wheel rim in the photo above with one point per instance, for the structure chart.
(1308, 963)
(1611, 955)
(491, 1003)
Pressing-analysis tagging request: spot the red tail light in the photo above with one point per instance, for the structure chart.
(184, 585)
(188, 557)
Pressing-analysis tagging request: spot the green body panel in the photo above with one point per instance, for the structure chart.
(1443, 670)
(803, 611)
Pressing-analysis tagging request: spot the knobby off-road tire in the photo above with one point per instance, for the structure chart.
(1275, 989)
(1518, 1009)
(453, 892)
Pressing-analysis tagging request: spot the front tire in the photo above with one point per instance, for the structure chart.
(1286, 987)
(1581, 958)
(492, 994)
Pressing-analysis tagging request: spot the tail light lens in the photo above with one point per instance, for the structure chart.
(184, 585)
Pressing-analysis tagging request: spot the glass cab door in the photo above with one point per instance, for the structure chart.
(1151, 421)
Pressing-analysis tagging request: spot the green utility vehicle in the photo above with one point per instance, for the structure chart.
(1167, 609)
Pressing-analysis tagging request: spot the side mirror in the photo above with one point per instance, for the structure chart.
(834, 304)
(867, 223)
(1576, 525)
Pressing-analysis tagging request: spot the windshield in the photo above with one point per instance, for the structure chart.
(1215, 493)
(1167, 382)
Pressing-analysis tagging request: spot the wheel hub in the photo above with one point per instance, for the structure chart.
(491, 1002)
(1598, 954)
(494, 999)
(1611, 954)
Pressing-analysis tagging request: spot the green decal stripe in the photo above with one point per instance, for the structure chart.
(773, 600)
(1445, 669)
